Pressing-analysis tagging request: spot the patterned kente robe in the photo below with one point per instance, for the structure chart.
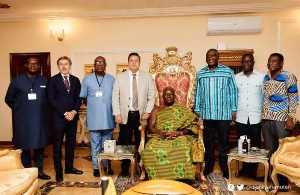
(173, 159)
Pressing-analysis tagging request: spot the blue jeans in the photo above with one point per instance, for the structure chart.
(98, 137)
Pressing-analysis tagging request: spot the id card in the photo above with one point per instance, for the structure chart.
(99, 93)
(31, 96)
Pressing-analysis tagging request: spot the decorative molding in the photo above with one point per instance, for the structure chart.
(279, 32)
(154, 12)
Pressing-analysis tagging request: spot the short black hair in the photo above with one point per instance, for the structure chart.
(247, 54)
(279, 55)
(134, 54)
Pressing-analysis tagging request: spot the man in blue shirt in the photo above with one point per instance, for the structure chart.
(97, 88)
(216, 103)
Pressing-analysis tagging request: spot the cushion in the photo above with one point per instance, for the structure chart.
(10, 159)
(291, 159)
(179, 81)
(17, 181)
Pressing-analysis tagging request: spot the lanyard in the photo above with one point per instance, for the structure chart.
(98, 81)
(31, 84)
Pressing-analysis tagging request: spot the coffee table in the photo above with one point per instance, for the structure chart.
(259, 156)
(122, 152)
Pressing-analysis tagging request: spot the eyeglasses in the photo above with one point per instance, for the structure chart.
(100, 63)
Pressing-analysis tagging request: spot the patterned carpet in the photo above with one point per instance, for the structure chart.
(214, 179)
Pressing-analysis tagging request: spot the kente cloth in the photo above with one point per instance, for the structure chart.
(173, 159)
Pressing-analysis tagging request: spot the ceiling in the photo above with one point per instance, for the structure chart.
(58, 9)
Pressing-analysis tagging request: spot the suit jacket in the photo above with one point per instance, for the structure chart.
(121, 94)
(61, 100)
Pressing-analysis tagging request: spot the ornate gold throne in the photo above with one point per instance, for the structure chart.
(176, 72)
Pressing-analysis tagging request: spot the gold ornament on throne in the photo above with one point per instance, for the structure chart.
(176, 67)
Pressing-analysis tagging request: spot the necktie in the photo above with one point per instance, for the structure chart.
(134, 92)
(67, 84)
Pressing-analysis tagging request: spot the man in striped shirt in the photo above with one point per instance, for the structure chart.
(216, 103)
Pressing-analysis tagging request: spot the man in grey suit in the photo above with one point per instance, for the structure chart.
(133, 100)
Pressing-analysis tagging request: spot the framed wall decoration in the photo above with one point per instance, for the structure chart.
(122, 68)
(88, 69)
(18, 60)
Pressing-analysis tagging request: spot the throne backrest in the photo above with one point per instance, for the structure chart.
(176, 72)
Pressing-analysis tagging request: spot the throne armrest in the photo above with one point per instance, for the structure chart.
(142, 128)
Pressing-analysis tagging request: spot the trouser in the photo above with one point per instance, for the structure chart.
(222, 128)
(253, 131)
(272, 132)
(98, 137)
(125, 135)
(61, 129)
(38, 158)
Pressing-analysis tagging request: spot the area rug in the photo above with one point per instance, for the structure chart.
(214, 179)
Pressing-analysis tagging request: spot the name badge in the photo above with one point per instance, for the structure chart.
(31, 96)
(99, 93)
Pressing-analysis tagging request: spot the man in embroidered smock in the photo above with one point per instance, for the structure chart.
(97, 89)
(173, 146)
(216, 103)
(248, 116)
(26, 96)
(280, 102)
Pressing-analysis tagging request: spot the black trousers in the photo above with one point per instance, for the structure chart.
(254, 133)
(126, 132)
(61, 129)
(222, 128)
(38, 158)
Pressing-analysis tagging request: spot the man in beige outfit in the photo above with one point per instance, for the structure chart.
(133, 100)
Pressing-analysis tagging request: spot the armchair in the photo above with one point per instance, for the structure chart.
(14, 179)
(286, 161)
(176, 72)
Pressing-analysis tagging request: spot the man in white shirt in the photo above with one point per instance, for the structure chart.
(248, 115)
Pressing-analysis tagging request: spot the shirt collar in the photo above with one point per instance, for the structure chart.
(68, 75)
(137, 73)
(253, 73)
(207, 67)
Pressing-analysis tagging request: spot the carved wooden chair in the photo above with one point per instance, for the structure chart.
(176, 72)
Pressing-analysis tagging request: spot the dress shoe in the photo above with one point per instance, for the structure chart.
(73, 171)
(43, 176)
(243, 171)
(124, 173)
(226, 174)
(96, 173)
(59, 177)
(259, 178)
(110, 171)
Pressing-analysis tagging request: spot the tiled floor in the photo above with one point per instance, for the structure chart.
(83, 162)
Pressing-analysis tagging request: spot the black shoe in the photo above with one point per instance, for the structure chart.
(243, 171)
(225, 174)
(110, 171)
(259, 178)
(59, 177)
(43, 176)
(96, 173)
(207, 172)
(73, 171)
(124, 173)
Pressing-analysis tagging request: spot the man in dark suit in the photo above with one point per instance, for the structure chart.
(63, 95)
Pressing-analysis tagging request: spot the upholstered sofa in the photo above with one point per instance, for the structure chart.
(14, 178)
(286, 161)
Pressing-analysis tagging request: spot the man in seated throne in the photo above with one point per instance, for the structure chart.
(173, 147)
